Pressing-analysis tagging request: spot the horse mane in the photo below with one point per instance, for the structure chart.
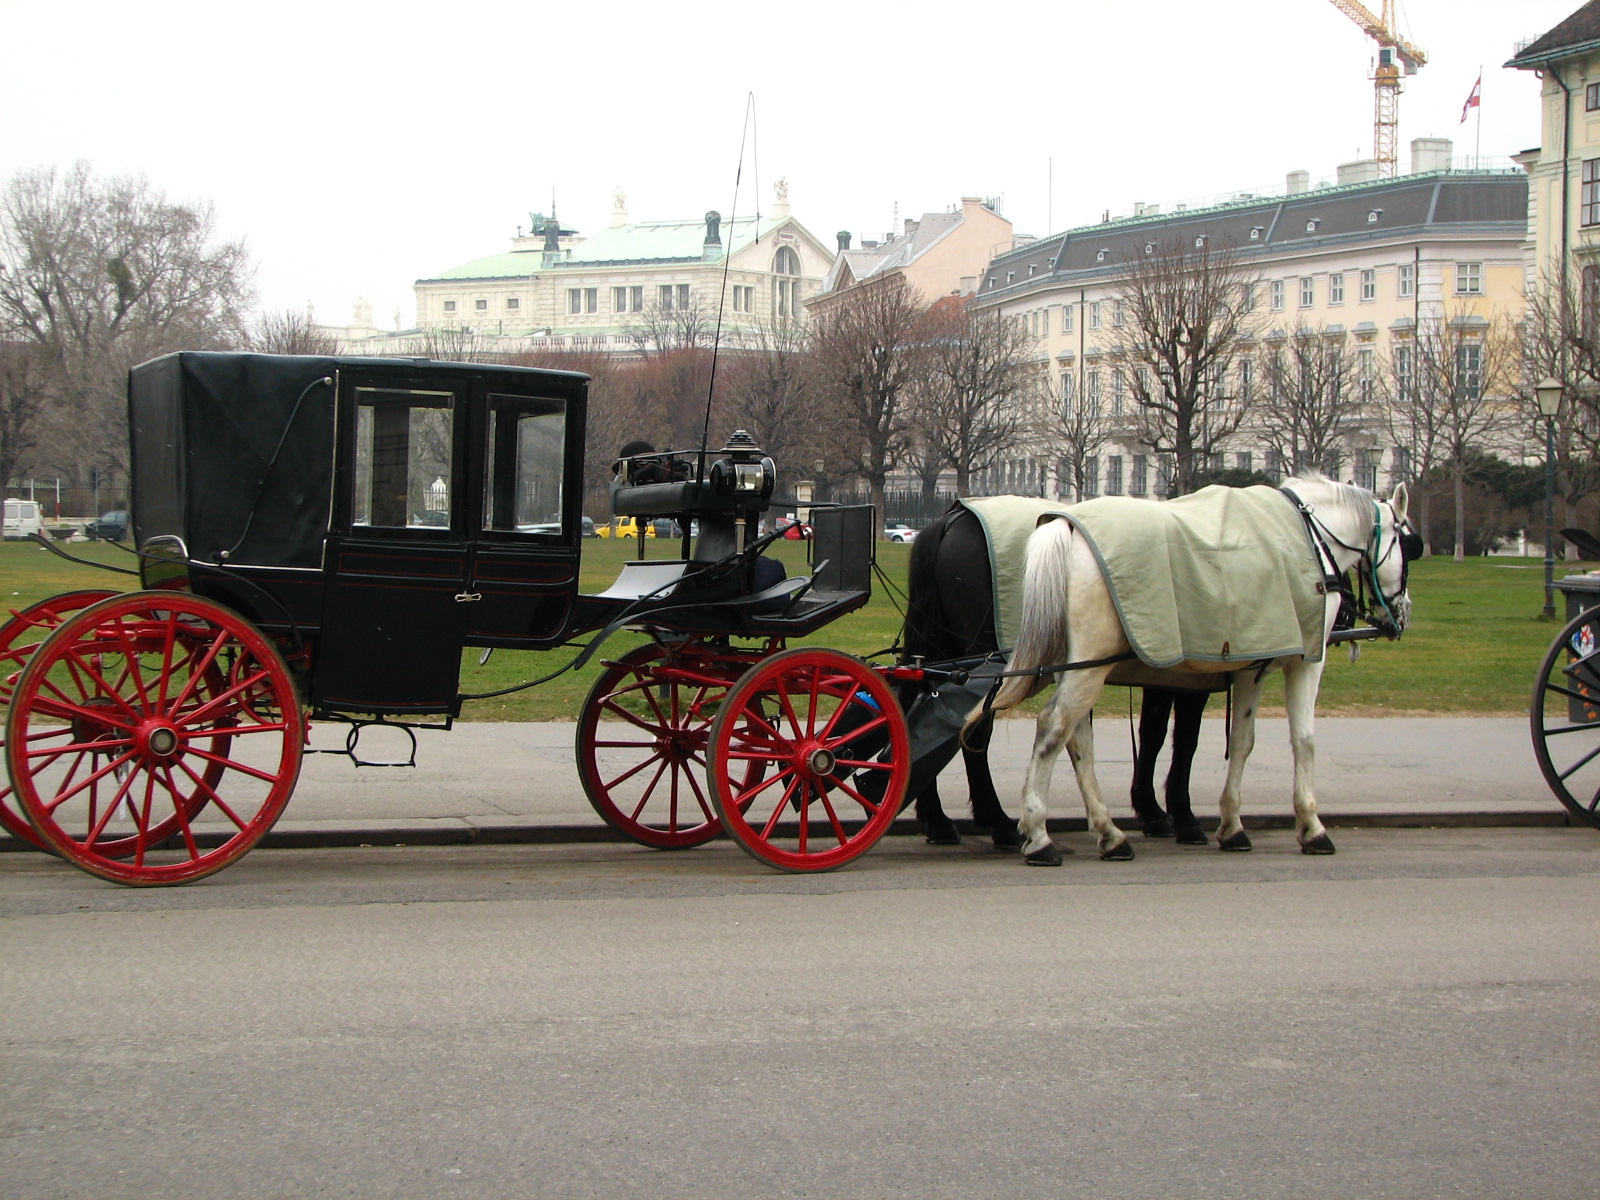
(1355, 502)
(922, 600)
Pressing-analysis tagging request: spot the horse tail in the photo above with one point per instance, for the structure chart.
(922, 593)
(1042, 638)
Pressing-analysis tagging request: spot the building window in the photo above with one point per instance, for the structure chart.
(744, 298)
(1139, 482)
(1403, 372)
(1400, 465)
(1469, 370)
(1336, 288)
(1408, 279)
(1247, 379)
(1164, 475)
(1274, 465)
(1469, 278)
(673, 295)
(619, 300)
(1119, 316)
(1092, 400)
(1094, 315)
(1066, 393)
(1119, 387)
(449, 306)
(1308, 291)
(582, 300)
(1369, 284)
(512, 304)
(1243, 461)
(786, 289)
(1066, 318)
(480, 306)
(1248, 303)
(1591, 97)
(1114, 475)
(1367, 469)
(1142, 392)
(1277, 295)
(1091, 476)
(1364, 381)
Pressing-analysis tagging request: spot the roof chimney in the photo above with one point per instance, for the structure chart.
(844, 239)
(1296, 182)
(713, 245)
(1430, 154)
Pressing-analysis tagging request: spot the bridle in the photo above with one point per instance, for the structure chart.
(1368, 599)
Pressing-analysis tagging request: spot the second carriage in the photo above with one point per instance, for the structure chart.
(318, 539)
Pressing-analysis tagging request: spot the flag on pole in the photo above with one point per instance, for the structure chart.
(1473, 100)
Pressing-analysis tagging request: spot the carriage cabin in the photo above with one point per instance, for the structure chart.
(385, 512)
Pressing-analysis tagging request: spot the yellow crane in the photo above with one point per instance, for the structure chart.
(1394, 54)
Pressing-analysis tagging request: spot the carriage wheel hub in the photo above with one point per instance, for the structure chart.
(161, 741)
(820, 762)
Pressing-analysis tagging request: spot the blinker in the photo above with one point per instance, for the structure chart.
(1410, 545)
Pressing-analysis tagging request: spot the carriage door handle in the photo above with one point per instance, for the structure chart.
(468, 597)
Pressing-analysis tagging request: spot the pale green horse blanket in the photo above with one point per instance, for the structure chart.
(1224, 575)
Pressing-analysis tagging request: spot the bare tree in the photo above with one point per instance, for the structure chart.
(1079, 428)
(1455, 383)
(102, 274)
(662, 330)
(24, 390)
(1184, 309)
(774, 393)
(972, 401)
(1309, 393)
(1560, 338)
(290, 332)
(868, 346)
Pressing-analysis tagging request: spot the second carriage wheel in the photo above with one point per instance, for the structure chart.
(19, 638)
(154, 738)
(641, 747)
(818, 801)
(1565, 714)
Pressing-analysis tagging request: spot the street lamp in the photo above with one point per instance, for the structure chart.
(1548, 393)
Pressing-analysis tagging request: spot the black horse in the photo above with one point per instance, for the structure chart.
(950, 615)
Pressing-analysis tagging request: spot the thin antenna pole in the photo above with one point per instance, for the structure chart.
(727, 264)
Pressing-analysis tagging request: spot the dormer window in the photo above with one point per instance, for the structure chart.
(1311, 225)
(1256, 231)
(1100, 255)
(1149, 247)
(1373, 215)
(1199, 242)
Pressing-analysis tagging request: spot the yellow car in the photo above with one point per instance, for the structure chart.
(626, 527)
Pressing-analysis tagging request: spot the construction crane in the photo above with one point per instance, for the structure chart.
(1394, 53)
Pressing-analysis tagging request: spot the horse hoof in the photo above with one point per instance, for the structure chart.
(1121, 852)
(1045, 856)
(1321, 844)
(941, 836)
(1007, 839)
(1157, 826)
(1190, 835)
(1239, 841)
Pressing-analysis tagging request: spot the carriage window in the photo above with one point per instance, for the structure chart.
(402, 458)
(527, 449)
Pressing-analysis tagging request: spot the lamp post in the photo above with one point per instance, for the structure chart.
(1548, 393)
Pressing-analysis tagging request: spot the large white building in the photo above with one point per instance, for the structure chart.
(1364, 259)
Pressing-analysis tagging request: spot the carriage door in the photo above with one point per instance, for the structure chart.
(393, 615)
(525, 562)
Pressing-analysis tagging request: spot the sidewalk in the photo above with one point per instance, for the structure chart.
(486, 781)
(519, 782)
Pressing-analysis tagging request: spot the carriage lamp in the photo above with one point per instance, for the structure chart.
(1548, 392)
(745, 470)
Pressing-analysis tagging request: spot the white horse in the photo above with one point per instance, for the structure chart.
(1069, 617)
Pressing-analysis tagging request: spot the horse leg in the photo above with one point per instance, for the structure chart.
(1300, 685)
(1188, 708)
(1154, 708)
(1241, 740)
(987, 813)
(937, 829)
(1058, 723)
(1110, 841)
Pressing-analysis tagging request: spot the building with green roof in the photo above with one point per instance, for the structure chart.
(634, 283)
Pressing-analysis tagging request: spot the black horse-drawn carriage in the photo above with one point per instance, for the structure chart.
(319, 539)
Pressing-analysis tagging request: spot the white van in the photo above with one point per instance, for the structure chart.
(22, 519)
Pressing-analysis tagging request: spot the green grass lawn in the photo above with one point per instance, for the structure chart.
(1474, 646)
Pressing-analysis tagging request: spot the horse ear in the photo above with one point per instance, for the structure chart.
(1399, 499)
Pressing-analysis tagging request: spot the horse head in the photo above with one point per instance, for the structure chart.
(1396, 545)
(1370, 535)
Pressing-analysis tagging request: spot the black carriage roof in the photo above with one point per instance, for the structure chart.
(234, 452)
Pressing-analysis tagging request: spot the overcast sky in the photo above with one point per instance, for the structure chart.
(358, 147)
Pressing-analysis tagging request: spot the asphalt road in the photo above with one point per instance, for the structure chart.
(1413, 1017)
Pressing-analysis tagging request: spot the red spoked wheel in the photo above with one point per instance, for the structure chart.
(154, 738)
(815, 803)
(19, 638)
(641, 746)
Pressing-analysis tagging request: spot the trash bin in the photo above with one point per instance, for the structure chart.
(1582, 592)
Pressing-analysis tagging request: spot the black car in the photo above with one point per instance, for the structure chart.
(111, 527)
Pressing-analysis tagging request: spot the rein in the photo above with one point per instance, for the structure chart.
(1333, 579)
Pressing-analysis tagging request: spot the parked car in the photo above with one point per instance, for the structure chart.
(588, 529)
(626, 527)
(666, 527)
(22, 519)
(898, 531)
(111, 527)
(794, 530)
